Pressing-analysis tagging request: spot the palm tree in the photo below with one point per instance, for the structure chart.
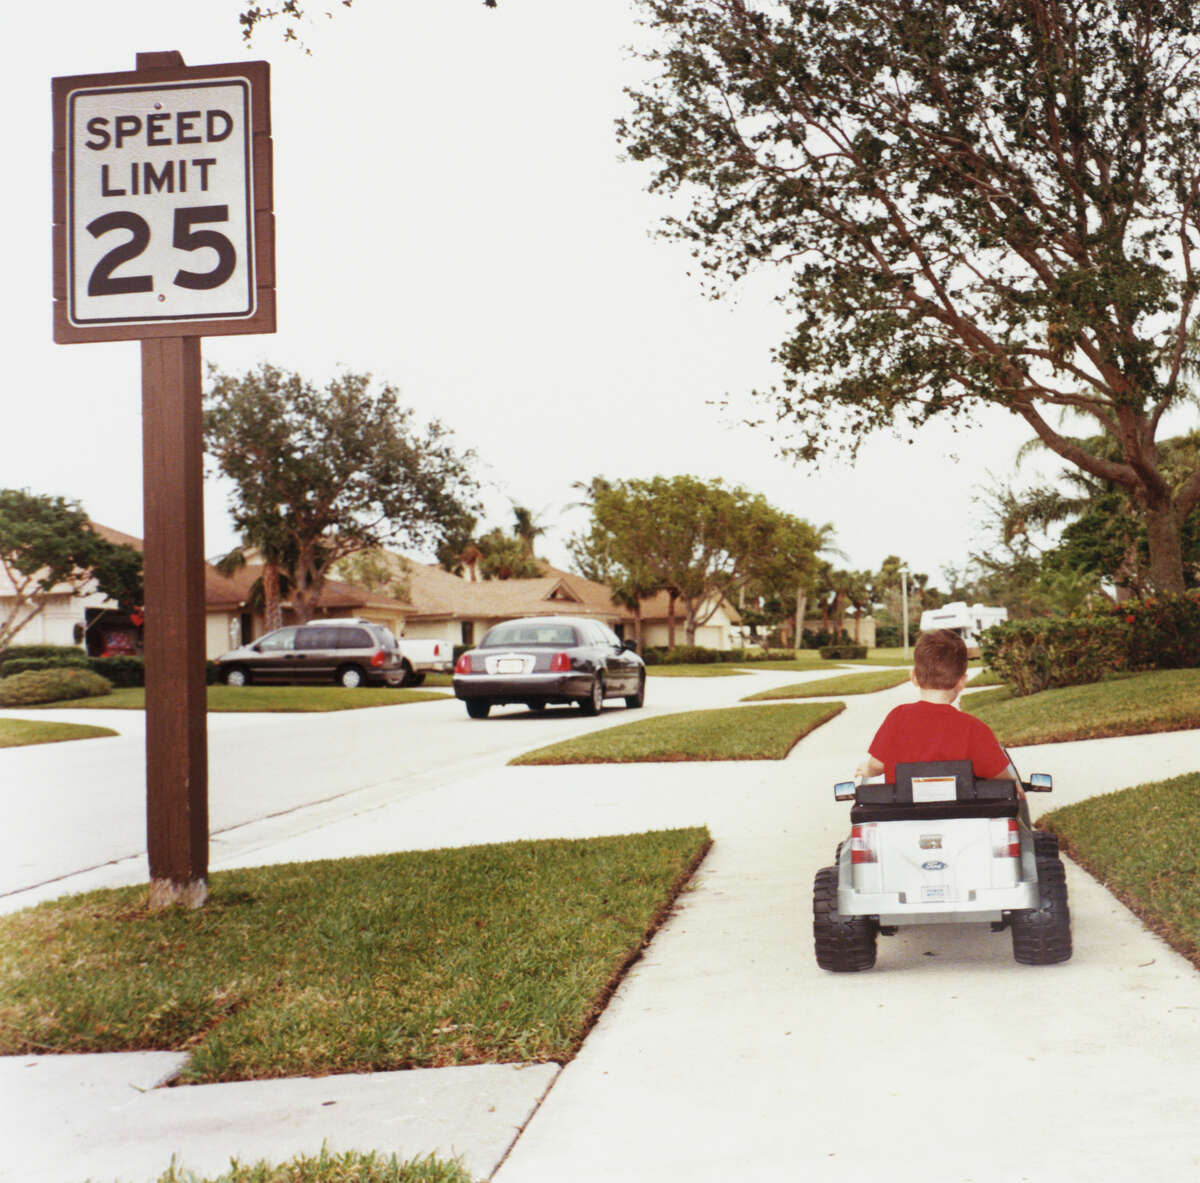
(527, 528)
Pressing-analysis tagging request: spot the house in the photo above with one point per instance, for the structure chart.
(94, 621)
(450, 608)
(722, 629)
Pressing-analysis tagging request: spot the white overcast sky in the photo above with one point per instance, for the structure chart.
(452, 216)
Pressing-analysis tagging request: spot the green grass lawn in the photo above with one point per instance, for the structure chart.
(1138, 704)
(734, 733)
(485, 954)
(262, 698)
(1141, 843)
(17, 733)
(864, 683)
(707, 669)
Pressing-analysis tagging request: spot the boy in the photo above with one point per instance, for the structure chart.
(933, 728)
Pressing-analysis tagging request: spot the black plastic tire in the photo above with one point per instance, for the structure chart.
(844, 944)
(1045, 844)
(478, 708)
(633, 701)
(1042, 935)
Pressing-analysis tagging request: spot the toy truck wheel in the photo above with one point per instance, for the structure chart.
(844, 944)
(1042, 935)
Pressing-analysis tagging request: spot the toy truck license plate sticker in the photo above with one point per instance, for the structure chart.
(161, 207)
(933, 788)
(933, 895)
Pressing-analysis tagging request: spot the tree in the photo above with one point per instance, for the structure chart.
(700, 541)
(47, 542)
(329, 473)
(527, 528)
(291, 12)
(974, 203)
(505, 556)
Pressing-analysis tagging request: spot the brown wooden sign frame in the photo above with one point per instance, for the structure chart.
(259, 260)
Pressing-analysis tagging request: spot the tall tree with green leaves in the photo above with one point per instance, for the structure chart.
(702, 541)
(973, 203)
(46, 543)
(330, 472)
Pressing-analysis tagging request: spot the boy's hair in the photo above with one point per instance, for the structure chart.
(939, 659)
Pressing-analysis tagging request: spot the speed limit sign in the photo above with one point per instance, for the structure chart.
(163, 223)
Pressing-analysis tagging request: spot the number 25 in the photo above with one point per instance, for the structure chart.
(185, 238)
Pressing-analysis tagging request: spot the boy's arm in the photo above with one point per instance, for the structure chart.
(869, 767)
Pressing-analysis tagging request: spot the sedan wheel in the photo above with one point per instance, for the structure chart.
(478, 708)
(595, 700)
(633, 701)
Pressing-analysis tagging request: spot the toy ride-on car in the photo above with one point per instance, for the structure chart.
(941, 847)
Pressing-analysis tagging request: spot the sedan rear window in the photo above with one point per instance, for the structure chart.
(523, 633)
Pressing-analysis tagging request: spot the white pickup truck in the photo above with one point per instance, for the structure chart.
(420, 657)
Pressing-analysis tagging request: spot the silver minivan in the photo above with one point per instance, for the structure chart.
(347, 652)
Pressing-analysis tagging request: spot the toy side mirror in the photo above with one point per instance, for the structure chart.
(1040, 782)
(844, 790)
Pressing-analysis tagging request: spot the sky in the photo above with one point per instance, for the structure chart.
(454, 217)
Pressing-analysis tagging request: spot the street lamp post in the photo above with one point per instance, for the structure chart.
(904, 606)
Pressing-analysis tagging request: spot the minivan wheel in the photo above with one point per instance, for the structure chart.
(237, 677)
(350, 676)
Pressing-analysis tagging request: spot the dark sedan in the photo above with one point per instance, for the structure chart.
(549, 659)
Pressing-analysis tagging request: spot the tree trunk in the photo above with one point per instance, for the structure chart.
(637, 624)
(272, 604)
(672, 596)
(801, 607)
(1166, 550)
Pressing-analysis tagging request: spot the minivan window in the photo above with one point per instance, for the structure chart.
(353, 638)
(282, 638)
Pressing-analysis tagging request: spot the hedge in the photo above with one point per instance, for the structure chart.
(52, 685)
(843, 652)
(699, 655)
(1034, 655)
(1164, 631)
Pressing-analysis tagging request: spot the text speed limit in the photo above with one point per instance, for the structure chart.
(160, 192)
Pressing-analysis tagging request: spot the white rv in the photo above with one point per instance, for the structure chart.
(968, 622)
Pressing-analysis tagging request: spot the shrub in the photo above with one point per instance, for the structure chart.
(120, 671)
(53, 685)
(843, 652)
(1034, 655)
(22, 652)
(1164, 631)
(20, 665)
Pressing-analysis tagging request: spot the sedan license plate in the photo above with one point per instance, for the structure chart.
(510, 665)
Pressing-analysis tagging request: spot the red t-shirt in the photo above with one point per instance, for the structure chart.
(936, 731)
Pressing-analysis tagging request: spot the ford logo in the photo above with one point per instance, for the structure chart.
(933, 865)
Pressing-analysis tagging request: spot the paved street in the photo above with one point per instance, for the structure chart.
(76, 812)
(726, 1053)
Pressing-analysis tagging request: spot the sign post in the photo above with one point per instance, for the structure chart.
(164, 233)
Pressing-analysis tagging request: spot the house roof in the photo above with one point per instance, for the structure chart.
(436, 594)
(219, 590)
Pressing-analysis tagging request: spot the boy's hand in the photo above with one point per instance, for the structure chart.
(869, 767)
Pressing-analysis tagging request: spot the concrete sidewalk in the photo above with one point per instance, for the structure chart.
(726, 1053)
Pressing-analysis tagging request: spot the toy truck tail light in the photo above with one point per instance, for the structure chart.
(560, 663)
(1006, 838)
(463, 664)
(863, 847)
